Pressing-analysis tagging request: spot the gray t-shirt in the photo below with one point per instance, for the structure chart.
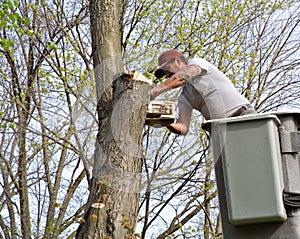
(211, 92)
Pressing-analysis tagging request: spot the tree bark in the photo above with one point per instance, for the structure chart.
(114, 196)
(112, 205)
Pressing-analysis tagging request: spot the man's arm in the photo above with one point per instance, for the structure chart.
(183, 124)
(176, 80)
(190, 72)
(173, 82)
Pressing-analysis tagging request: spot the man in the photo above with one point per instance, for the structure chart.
(204, 88)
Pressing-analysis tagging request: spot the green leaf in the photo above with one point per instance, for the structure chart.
(10, 5)
(12, 125)
(26, 21)
(16, 3)
(33, 7)
(52, 45)
(21, 32)
(14, 16)
(30, 33)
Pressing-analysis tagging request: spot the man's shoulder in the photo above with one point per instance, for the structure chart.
(199, 59)
(200, 62)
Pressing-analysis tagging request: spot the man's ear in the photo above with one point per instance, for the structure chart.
(178, 61)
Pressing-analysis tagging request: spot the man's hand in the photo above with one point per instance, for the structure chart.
(173, 82)
(178, 128)
(182, 126)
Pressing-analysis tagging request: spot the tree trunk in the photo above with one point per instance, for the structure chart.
(111, 210)
(22, 176)
(207, 198)
(114, 195)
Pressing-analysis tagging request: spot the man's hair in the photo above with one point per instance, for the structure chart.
(184, 59)
(181, 58)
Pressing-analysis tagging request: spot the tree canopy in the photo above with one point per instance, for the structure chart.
(48, 119)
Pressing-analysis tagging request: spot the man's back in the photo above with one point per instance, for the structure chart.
(211, 92)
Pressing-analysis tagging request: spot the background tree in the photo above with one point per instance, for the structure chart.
(44, 97)
(48, 105)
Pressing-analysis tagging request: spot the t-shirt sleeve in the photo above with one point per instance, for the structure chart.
(183, 103)
(200, 62)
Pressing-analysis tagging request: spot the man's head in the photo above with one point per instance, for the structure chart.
(170, 62)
